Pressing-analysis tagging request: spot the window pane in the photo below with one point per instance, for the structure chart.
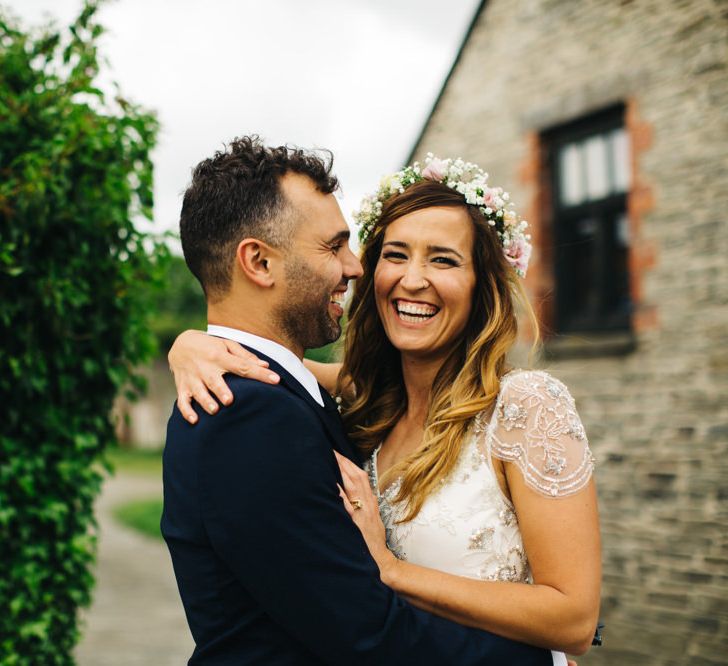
(621, 174)
(597, 182)
(577, 258)
(618, 301)
(570, 178)
(622, 231)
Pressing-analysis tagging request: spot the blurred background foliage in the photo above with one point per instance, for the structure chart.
(75, 172)
(178, 305)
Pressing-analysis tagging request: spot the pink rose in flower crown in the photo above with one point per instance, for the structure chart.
(518, 254)
(489, 198)
(435, 170)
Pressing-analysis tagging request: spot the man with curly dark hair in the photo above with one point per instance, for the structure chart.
(270, 568)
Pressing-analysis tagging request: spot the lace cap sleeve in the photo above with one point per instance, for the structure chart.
(535, 426)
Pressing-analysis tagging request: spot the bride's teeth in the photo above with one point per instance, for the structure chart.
(417, 311)
(412, 319)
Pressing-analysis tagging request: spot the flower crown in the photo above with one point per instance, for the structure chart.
(472, 182)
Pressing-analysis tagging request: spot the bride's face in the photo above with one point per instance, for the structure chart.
(424, 280)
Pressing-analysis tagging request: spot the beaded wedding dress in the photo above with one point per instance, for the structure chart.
(468, 527)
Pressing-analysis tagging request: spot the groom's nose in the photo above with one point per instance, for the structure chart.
(352, 268)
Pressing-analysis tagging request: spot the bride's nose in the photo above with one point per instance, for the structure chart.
(414, 277)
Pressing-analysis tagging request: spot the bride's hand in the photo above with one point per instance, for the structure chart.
(362, 506)
(198, 362)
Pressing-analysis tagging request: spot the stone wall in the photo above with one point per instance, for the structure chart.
(657, 416)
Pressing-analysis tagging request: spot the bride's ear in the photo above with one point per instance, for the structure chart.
(258, 261)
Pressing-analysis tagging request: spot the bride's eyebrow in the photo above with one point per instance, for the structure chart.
(401, 244)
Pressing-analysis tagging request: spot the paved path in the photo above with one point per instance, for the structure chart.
(136, 618)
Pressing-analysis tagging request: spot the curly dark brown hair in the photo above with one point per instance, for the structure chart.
(236, 194)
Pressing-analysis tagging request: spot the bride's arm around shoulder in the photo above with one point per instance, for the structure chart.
(199, 362)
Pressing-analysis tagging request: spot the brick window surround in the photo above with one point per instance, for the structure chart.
(541, 281)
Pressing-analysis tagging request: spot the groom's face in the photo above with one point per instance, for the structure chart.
(318, 266)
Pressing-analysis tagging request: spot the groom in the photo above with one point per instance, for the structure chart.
(270, 567)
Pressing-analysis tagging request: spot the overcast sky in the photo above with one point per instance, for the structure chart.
(356, 76)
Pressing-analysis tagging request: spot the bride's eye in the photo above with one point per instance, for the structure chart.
(394, 256)
(445, 261)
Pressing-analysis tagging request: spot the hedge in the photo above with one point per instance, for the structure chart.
(76, 281)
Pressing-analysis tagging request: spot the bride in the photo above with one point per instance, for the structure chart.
(477, 499)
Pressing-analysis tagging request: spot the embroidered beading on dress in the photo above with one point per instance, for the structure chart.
(535, 425)
(465, 527)
(387, 506)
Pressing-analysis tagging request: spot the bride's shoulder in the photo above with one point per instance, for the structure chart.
(535, 425)
(530, 377)
(536, 385)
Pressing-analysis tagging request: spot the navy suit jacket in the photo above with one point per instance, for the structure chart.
(270, 567)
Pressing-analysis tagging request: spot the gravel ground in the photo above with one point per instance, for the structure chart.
(136, 618)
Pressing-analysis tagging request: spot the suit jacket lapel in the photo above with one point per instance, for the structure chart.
(328, 414)
(331, 413)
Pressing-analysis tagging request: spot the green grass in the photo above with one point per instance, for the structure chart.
(141, 515)
(136, 461)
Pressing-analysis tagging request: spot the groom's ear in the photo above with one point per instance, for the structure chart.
(258, 261)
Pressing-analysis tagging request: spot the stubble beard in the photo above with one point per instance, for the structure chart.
(305, 318)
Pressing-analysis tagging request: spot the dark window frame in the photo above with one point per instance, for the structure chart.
(606, 212)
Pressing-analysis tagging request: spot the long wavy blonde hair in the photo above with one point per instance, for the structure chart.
(468, 381)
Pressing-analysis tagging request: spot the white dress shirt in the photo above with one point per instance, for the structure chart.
(559, 658)
(277, 352)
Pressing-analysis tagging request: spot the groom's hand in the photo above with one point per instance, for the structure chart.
(198, 362)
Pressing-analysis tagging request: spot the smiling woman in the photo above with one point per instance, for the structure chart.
(428, 249)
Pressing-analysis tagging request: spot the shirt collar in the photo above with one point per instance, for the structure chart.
(277, 352)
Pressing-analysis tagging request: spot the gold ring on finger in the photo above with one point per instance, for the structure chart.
(356, 503)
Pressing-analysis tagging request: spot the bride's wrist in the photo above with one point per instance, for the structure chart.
(389, 567)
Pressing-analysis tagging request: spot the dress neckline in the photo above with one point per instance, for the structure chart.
(374, 456)
(375, 470)
(374, 474)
